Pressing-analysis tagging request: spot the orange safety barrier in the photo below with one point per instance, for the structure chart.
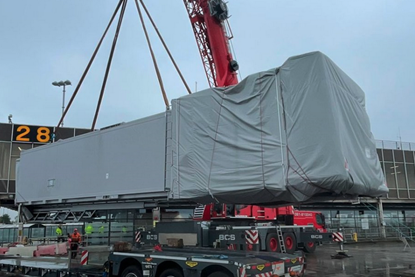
(45, 250)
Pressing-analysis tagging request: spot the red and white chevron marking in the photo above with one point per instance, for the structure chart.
(337, 236)
(265, 274)
(84, 257)
(138, 236)
(242, 272)
(251, 237)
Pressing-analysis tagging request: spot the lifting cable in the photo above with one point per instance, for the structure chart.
(89, 64)
(114, 43)
(124, 4)
(163, 92)
(165, 46)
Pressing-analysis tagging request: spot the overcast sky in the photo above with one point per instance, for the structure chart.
(53, 40)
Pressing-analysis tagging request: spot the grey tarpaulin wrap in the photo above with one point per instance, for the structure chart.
(286, 135)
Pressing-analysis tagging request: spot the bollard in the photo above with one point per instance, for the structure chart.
(355, 236)
(341, 253)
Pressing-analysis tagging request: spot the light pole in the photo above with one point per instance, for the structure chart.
(62, 84)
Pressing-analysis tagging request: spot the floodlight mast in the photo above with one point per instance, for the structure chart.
(62, 84)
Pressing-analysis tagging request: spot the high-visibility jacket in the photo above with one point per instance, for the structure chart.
(89, 229)
(59, 231)
(76, 237)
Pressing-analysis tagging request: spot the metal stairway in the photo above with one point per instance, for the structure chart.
(398, 227)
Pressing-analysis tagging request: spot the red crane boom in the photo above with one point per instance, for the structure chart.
(207, 18)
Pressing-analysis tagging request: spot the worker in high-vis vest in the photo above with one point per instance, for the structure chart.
(89, 229)
(88, 233)
(59, 233)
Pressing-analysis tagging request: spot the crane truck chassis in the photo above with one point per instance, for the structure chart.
(295, 236)
(243, 235)
(221, 251)
(235, 252)
(148, 261)
(169, 262)
(225, 249)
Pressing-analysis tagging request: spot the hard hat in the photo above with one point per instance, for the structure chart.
(75, 229)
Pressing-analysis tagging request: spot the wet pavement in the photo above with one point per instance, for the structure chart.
(381, 259)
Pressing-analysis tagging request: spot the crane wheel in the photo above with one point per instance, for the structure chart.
(219, 274)
(171, 272)
(290, 243)
(310, 247)
(272, 243)
(132, 271)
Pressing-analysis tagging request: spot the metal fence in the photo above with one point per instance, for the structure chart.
(395, 145)
(391, 232)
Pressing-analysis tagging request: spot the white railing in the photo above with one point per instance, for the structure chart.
(395, 145)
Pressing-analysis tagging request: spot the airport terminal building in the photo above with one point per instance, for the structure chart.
(15, 138)
(369, 218)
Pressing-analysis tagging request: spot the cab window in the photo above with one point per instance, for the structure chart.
(320, 219)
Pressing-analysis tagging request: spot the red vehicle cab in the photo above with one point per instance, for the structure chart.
(310, 218)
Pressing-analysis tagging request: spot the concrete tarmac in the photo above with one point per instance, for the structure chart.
(381, 259)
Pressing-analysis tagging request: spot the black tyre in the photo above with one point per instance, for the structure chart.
(132, 271)
(171, 272)
(310, 247)
(219, 274)
(290, 243)
(272, 243)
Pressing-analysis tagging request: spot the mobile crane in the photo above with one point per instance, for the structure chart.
(209, 21)
(206, 17)
(251, 214)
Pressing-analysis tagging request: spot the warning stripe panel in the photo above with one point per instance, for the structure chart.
(138, 236)
(338, 236)
(251, 236)
(242, 272)
(84, 257)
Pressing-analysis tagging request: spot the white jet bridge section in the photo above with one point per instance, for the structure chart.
(293, 134)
